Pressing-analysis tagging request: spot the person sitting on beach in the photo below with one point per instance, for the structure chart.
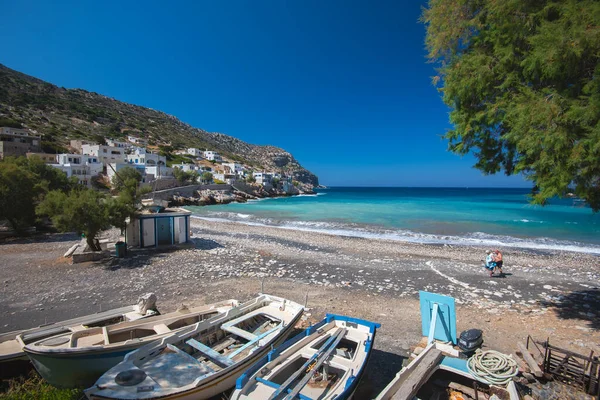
(498, 260)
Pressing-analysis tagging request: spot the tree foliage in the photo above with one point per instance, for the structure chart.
(18, 193)
(126, 204)
(23, 183)
(522, 79)
(84, 211)
(206, 177)
(120, 178)
(185, 176)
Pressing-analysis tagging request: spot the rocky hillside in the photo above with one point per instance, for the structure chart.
(61, 114)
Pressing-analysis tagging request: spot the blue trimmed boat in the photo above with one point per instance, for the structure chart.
(325, 362)
(204, 361)
(79, 357)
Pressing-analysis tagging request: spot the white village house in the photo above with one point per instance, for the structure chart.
(159, 171)
(137, 141)
(83, 167)
(105, 154)
(212, 156)
(141, 156)
(117, 143)
(263, 178)
(195, 152)
(186, 167)
(235, 168)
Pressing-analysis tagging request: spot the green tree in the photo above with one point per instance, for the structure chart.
(18, 194)
(185, 176)
(82, 210)
(522, 81)
(49, 178)
(127, 203)
(124, 206)
(122, 176)
(23, 183)
(206, 177)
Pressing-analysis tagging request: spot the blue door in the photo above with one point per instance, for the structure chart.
(163, 228)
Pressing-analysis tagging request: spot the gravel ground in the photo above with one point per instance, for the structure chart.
(545, 294)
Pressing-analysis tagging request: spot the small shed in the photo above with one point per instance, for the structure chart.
(168, 227)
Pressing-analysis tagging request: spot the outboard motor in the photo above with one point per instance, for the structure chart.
(470, 340)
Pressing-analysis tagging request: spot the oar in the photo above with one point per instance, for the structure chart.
(325, 346)
(309, 375)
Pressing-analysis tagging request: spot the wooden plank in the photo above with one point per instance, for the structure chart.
(239, 332)
(418, 376)
(533, 365)
(253, 341)
(217, 358)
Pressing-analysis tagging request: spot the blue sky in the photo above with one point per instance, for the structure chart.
(343, 85)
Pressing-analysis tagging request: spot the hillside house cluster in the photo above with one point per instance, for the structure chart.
(89, 159)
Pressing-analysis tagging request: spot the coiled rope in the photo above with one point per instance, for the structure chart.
(492, 367)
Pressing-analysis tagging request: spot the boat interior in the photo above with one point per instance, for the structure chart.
(446, 385)
(209, 351)
(194, 356)
(316, 367)
(123, 333)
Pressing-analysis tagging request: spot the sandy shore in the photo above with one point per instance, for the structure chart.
(545, 294)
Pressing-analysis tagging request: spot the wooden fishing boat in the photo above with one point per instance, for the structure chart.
(11, 343)
(325, 362)
(433, 375)
(204, 361)
(77, 359)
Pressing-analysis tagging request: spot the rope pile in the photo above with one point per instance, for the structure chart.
(492, 367)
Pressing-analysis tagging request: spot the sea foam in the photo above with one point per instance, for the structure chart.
(400, 235)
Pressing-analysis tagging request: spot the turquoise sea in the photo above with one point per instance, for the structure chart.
(456, 216)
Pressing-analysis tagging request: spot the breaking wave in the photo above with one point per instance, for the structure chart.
(370, 232)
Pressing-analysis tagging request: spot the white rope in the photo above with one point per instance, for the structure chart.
(492, 367)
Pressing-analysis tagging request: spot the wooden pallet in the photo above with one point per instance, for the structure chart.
(572, 368)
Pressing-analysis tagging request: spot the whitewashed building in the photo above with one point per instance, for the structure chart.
(263, 178)
(235, 168)
(82, 172)
(141, 156)
(186, 167)
(117, 143)
(137, 140)
(192, 151)
(166, 228)
(105, 154)
(230, 179)
(159, 171)
(92, 162)
(212, 156)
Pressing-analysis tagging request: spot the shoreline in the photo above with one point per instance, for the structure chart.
(529, 244)
(472, 253)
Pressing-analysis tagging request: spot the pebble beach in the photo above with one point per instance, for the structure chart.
(546, 294)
